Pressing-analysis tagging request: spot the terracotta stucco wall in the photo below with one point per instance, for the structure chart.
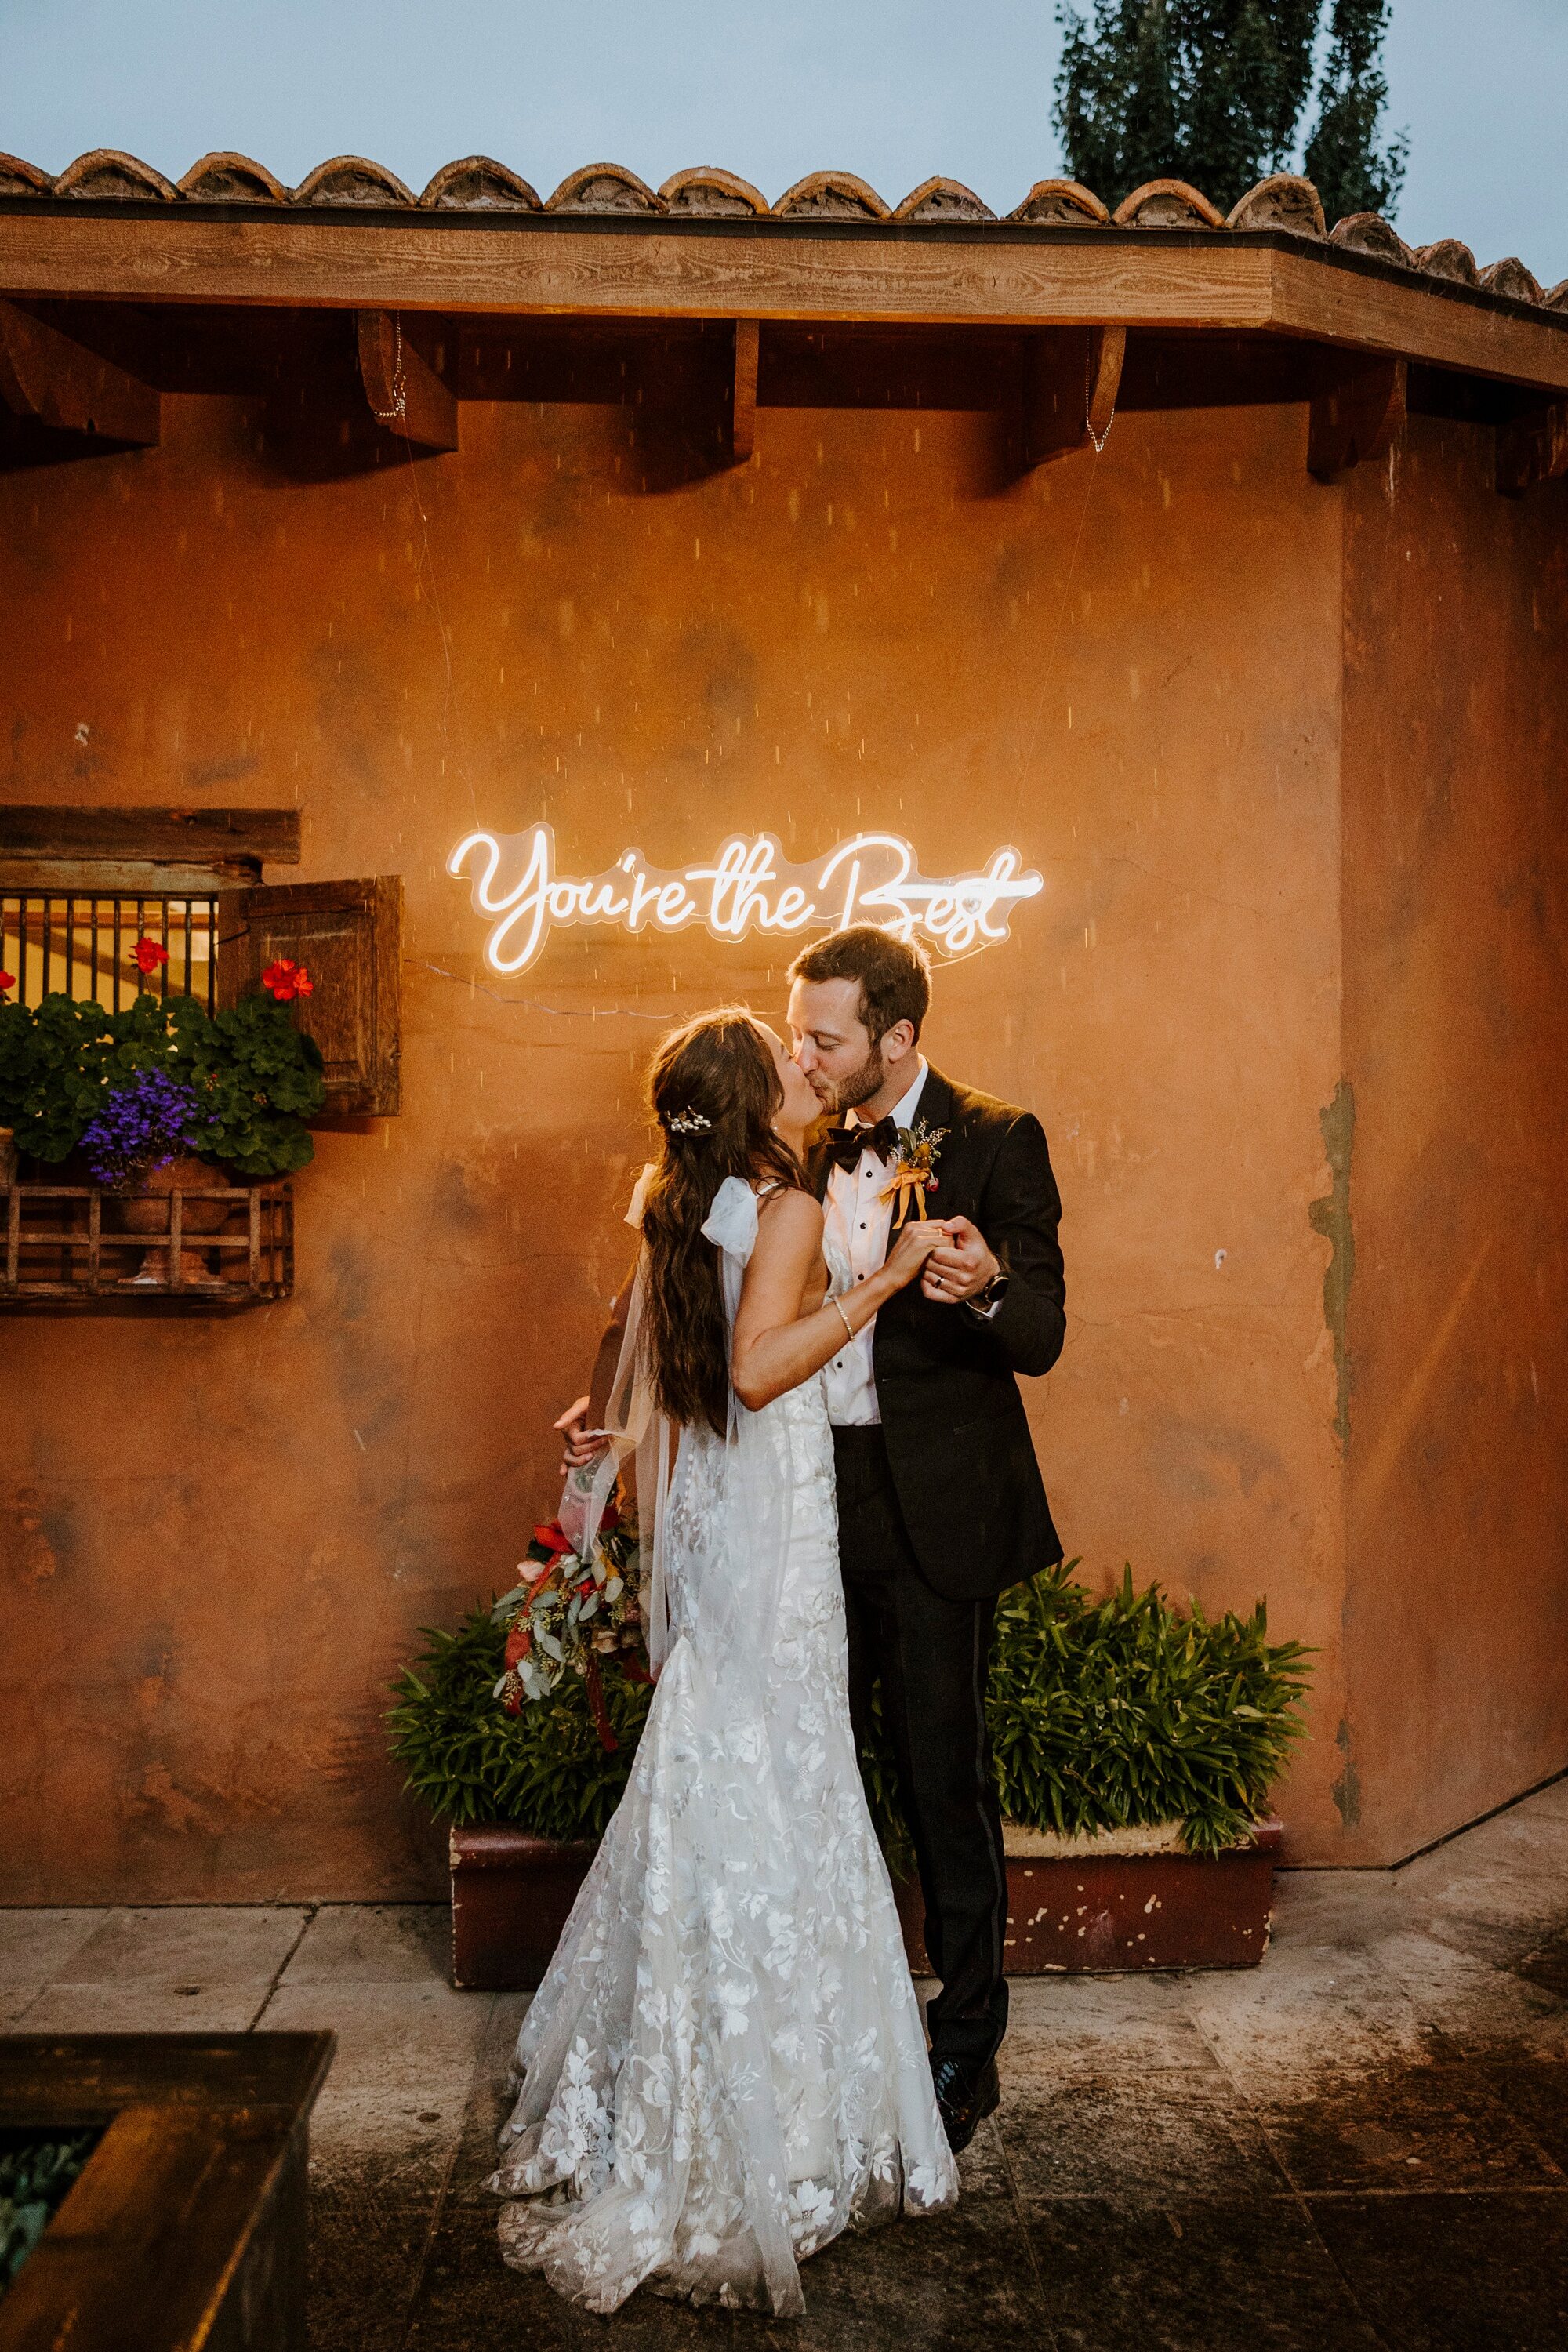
(220, 1537)
(1455, 918)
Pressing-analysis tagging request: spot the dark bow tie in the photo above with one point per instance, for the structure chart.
(847, 1143)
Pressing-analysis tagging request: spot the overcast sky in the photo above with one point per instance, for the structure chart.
(894, 89)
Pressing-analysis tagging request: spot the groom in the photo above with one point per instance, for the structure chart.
(941, 1504)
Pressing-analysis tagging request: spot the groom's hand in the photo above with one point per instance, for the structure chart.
(578, 1449)
(960, 1265)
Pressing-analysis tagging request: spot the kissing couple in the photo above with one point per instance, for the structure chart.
(725, 2066)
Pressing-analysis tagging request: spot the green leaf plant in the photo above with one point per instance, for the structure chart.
(1113, 1714)
(253, 1072)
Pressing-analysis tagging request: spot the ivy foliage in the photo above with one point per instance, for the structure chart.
(1215, 92)
(544, 1769)
(36, 2168)
(1113, 1714)
(253, 1073)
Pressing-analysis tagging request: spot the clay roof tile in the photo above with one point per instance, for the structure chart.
(1369, 232)
(18, 178)
(1512, 278)
(105, 172)
(1166, 203)
(943, 200)
(351, 179)
(831, 195)
(1282, 201)
(1449, 259)
(604, 188)
(222, 178)
(1060, 204)
(714, 195)
(478, 184)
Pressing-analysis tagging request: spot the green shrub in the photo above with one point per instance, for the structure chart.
(544, 1769)
(1113, 1714)
(253, 1072)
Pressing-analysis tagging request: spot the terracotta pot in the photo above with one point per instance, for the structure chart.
(1077, 1906)
(148, 1211)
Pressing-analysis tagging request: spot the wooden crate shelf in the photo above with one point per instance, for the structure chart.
(59, 1250)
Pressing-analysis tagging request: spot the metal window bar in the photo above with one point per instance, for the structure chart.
(85, 947)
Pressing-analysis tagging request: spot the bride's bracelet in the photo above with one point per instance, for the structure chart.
(837, 1305)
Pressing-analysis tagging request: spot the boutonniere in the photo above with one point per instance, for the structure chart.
(913, 1165)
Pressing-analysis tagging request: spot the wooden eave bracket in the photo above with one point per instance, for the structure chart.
(1071, 378)
(743, 396)
(1532, 448)
(54, 381)
(405, 392)
(1356, 420)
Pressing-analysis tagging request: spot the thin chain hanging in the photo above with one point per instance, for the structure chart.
(1099, 439)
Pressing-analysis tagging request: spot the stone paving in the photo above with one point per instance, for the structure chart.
(1362, 2143)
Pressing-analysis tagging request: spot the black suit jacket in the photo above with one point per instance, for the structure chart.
(947, 1381)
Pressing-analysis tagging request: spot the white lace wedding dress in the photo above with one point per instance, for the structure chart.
(725, 2066)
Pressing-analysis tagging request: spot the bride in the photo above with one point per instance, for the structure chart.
(725, 2066)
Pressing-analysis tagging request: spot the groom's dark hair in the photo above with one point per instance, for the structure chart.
(894, 976)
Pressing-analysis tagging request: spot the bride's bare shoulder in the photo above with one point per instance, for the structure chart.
(788, 1213)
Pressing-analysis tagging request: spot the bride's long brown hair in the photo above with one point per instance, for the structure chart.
(715, 1092)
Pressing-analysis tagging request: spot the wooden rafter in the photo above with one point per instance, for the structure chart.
(405, 392)
(1532, 448)
(52, 380)
(1071, 377)
(1356, 420)
(743, 402)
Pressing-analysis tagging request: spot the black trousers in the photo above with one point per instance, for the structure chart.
(930, 1656)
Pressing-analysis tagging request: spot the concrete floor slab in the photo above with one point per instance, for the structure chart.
(205, 1944)
(373, 1943)
(149, 2005)
(1059, 2025)
(391, 2037)
(37, 1945)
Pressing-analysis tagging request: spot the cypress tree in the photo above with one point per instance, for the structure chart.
(1214, 92)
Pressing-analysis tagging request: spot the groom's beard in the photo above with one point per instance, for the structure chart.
(849, 1093)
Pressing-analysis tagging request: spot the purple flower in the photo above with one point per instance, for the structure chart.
(143, 1125)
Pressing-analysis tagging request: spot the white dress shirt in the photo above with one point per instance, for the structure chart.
(860, 1224)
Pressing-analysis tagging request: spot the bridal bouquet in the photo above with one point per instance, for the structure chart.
(568, 1614)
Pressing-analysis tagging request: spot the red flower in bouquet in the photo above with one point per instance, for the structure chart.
(149, 955)
(285, 980)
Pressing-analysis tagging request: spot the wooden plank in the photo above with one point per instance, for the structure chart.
(147, 2247)
(196, 837)
(743, 395)
(45, 375)
(122, 878)
(1532, 448)
(405, 395)
(1356, 420)
(85, 2078)
(996, 274)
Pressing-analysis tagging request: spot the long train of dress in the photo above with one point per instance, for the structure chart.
(725, 2066)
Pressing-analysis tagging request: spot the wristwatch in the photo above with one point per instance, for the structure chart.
(995, 1292)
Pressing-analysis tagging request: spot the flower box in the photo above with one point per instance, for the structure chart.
(1098, 1906)
(66, 1245)
(186, 2224)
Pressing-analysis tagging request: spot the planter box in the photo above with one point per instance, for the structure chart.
(1127, 1899)
(186, 2225)
(57, 1251)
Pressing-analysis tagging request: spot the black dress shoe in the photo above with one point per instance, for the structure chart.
(963, 2097)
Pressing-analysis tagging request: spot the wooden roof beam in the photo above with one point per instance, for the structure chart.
(1071, 377)
(1356, 420)
(1532, 448)
(405, 392)
(48, 378)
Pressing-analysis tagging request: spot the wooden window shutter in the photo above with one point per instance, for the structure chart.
(349, 934)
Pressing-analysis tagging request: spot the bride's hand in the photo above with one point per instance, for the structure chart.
(916, 1239)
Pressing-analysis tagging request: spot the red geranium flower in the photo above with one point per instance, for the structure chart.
(286, 980)
(149, 955)
(7, 979)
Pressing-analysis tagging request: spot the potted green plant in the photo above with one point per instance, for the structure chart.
(1135, 1745)
(164, 1097)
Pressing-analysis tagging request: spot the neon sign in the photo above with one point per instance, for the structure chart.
(749, 886)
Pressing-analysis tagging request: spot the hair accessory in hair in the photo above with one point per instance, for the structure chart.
(686, 1122)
